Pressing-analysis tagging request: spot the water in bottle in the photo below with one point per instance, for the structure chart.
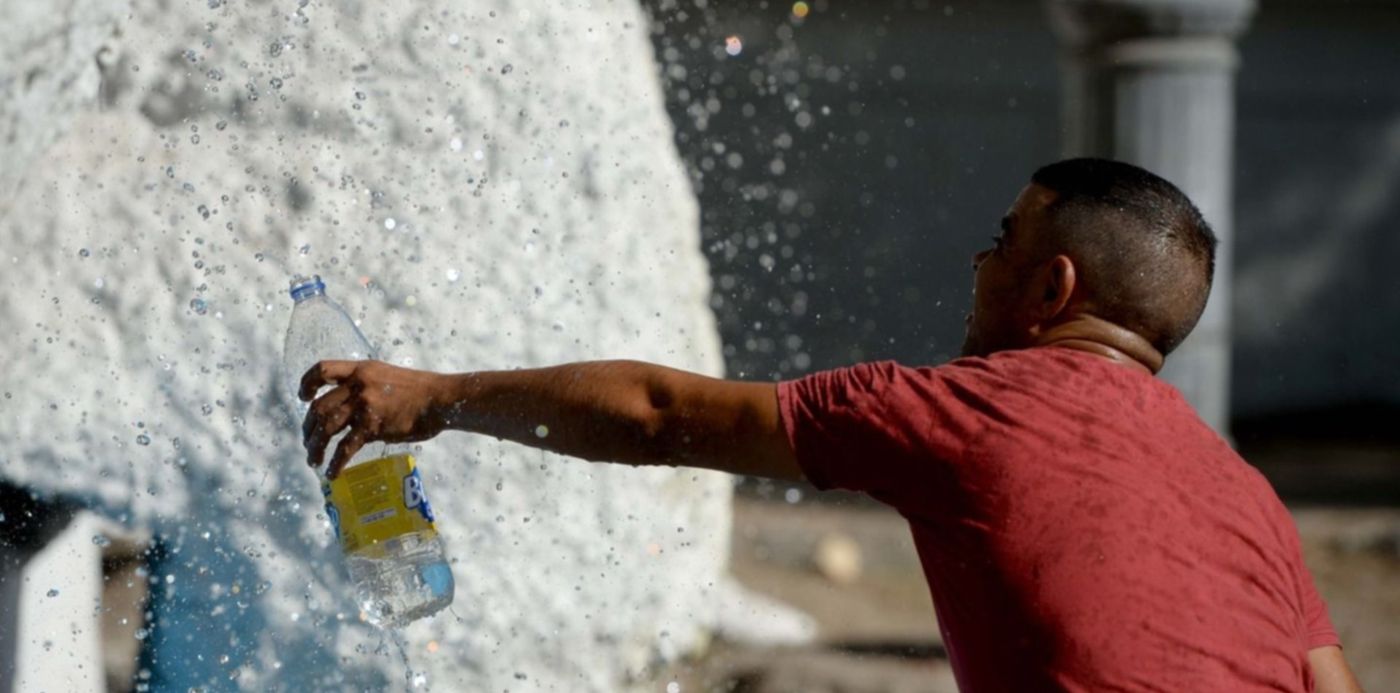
(377, 505)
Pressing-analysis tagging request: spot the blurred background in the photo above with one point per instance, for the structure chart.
(849, 158)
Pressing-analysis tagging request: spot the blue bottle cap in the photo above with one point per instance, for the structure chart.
(303, 288)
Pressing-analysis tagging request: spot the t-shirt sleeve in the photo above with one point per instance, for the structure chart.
(1321, 632)
(1317, 624)
(878, 428)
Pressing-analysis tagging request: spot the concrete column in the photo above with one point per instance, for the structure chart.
(1151, 82)
(29, 527)
(59, 633)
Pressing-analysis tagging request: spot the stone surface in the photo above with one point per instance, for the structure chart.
(837, 558)
(489, 185)
(887, 605)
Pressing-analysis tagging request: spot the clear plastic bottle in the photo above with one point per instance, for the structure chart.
(381, 515)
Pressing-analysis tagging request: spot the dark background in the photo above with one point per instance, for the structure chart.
(850, 163)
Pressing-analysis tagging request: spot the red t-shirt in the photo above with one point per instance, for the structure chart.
(1079, 526)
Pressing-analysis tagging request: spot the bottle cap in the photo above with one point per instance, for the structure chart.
(303, 288)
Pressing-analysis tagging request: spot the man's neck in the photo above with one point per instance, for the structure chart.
(1103, 338)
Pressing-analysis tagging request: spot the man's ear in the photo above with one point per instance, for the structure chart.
(1059, 286)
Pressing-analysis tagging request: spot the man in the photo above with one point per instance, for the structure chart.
(1079, 526)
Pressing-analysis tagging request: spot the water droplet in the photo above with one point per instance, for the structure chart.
(143, 439)
(542, 431)
(199, 306)
(304, 249)
(507, 69)
(53, 592)
(100, 540)
(141, 633)
(499, 485)
(83, 252)
(792, 495)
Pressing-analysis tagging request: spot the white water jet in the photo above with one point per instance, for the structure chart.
(485, 185)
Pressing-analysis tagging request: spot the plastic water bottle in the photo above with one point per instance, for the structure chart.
(377, 504)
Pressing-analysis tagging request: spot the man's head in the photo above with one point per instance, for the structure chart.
(1088, 242)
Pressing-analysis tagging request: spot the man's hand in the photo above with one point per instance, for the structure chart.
(375, 401)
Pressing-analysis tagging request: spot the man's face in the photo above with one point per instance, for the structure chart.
(1002, 288)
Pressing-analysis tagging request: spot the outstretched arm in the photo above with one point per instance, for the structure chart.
(1330, 671)
(614, 411)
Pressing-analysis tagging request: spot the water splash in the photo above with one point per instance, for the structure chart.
(415, 680)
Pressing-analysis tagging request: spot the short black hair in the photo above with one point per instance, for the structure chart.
(1144, 253)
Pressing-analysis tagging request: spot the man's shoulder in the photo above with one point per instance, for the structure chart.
(1023, 366)
(1009, 358)
(1037, 375)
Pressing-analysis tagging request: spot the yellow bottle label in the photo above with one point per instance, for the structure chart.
(373, 502)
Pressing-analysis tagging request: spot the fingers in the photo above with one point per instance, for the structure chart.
(341, 408)
(349, 445)
(326, 418)
(322, 374)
